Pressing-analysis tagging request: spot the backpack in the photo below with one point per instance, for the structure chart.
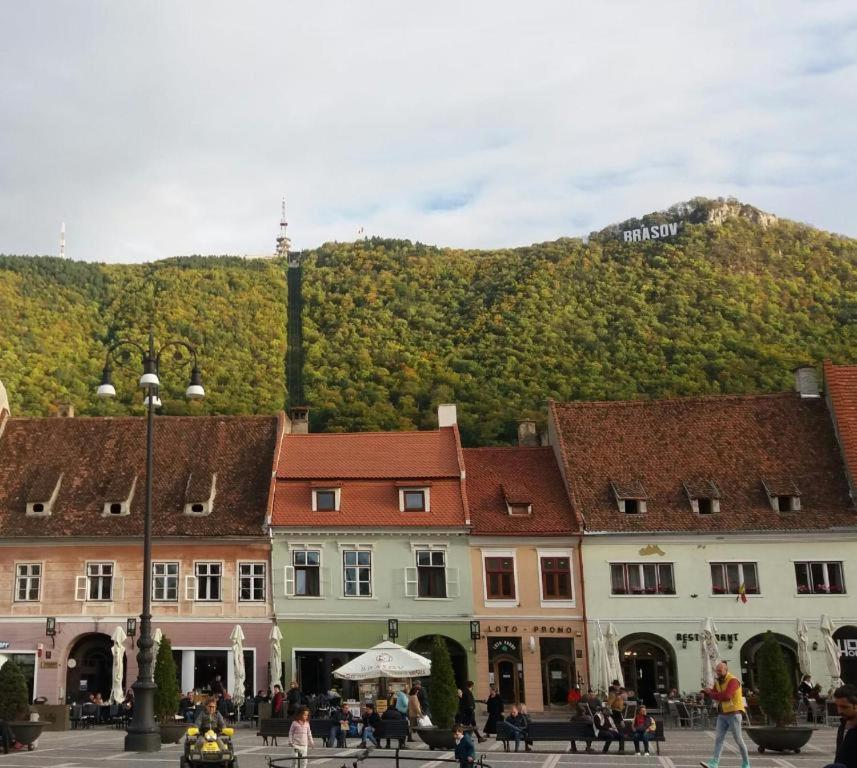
(402, 702)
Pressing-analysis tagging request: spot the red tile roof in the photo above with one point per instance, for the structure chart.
(527, 475)
(100, 457)
(370, 468)
(735, 442)
(405, 455)
(840, 383)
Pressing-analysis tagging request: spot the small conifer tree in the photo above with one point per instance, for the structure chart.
(775, 688)
(443, 696)
(14, 703)
(167, 692)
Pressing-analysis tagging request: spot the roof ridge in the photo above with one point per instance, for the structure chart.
(674, 400)
(396, 433)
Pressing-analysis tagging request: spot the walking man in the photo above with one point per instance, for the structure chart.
(727, 692)
(467, 709)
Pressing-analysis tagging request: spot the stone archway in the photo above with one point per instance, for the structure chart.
(749, 668)
(648, 665)
(422, 645)
(92, 670)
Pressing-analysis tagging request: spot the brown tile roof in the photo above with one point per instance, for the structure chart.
(370, 468)
(734, 442)
(99, 458)
(364, 455)
(840, 382)
(525, 475)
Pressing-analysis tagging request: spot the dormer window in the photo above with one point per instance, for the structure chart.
(519, 509)
(414, 498)
(630, 496)
(120, 494)
(43, 494)
(704, 496)
(326, 498)
(519, 501)
(783, 495)
(199, 494)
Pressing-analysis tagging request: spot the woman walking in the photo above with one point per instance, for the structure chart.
(415, 711)
(494, 704)
(300, 736)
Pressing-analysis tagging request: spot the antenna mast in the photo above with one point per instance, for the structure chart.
(62, 241)
(283, 243)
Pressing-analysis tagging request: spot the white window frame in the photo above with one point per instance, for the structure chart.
(626, 564)
(824, 564)
(500, 602)
(193, 592)
(252, 577)
(426, 492)
(166, 577)
(290, 580)
(337, 498)
(741, 564)
(561, 602)
(29, 578)
(451, 575)
(82, 583)
(343, 548)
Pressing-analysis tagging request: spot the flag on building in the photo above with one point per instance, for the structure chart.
(742, 593)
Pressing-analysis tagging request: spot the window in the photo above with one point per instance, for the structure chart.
(415, 501)
(100, 581)
(208, 576)
(820, 578)
(727, 578)
(642, 579)
(325, 501)
(500, 578)
(307, 566)
(357, 573)
(630, 496)
(165, 581)
(251, 581)
(788, 503)
(556, 578)
(28, 581)
(519, 510)
(431, 573)
(630, 506)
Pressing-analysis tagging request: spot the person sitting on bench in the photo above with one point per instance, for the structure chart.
(390, 713)
(519, 725)
(607, 729)
(580, 716)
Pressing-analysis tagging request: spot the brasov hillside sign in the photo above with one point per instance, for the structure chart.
(656, 232)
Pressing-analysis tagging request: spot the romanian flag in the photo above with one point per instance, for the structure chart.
(742, 593)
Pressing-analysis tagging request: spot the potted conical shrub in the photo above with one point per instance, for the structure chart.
(443, 699)
(776, 700)
(167, 695)
(15, 706)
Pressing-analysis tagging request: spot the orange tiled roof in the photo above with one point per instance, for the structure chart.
(99, 459)
(524, 475)
(735, 442)
(840, 382)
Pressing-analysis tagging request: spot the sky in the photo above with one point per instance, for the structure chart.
(156, 129)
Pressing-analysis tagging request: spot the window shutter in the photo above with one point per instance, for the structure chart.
(190, 587)
(324, 582)
(411, 585)
(80, 588)
(452, 582)
(289, 590)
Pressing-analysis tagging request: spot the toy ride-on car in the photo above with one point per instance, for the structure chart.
(203, 748)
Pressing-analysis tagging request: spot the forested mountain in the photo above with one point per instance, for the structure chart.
(729, 304)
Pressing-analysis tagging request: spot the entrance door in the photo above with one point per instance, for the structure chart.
(556, 679)
(506, 679)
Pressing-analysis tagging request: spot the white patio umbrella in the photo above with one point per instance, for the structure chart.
(384, 660)
(602, 661)
(831, 652)
(615, 664)
(239, 675)
(117, 695)
(157, 637)
(276, 655)
(803, 658)
(708, 651)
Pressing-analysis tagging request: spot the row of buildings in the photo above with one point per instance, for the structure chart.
(652, 516)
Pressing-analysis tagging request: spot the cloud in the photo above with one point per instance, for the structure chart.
(175, 128)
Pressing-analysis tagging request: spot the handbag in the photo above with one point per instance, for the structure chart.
(424, 721)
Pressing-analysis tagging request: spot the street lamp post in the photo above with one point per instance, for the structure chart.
(143, 732)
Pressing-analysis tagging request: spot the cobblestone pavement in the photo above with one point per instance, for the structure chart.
(684, 748)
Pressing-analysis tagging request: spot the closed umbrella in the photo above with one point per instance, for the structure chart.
(384, 660)
(615, 665)
(831, 651)
(117, 694)
(276, 655)
(709, 652)
(803, 658)
(602, 661)
(156, 645)
(238, 673)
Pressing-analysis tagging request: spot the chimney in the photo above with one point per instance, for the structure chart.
(446, 415)
(806, 382)
(527, 433)
(65, 410)
(299, 416)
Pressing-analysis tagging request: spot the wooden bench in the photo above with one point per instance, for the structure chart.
(271, 728)
(570, 732)
(393, 730)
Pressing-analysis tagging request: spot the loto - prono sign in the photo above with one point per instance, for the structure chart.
(656, 232)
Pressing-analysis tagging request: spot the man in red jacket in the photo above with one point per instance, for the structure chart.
(277, 702)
